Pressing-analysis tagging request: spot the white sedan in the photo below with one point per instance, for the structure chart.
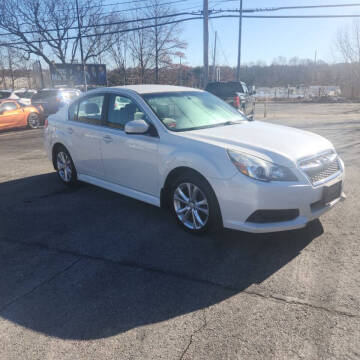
(189, 151)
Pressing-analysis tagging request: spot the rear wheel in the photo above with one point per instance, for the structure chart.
(194, 204)
(33, 121)
(65, 167)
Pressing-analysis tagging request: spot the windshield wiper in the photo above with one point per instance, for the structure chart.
(230, 122)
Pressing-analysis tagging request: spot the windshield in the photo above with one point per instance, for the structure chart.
(181, 111)
(4, 94)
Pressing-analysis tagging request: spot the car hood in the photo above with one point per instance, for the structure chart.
(280, 144)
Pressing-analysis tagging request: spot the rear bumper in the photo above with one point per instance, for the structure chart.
(240, 197)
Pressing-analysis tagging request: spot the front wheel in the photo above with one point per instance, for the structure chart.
(194, 204)
(65, 167)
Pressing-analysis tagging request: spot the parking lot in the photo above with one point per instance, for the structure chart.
(89, 274)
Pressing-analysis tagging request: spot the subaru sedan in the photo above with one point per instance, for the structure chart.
(190, 152)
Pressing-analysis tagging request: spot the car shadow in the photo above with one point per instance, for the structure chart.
(122, 263)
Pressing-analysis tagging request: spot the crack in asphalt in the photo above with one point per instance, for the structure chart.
(182, 276)
(41, 284)
(201, 328)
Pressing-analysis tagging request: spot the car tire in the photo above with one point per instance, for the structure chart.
(194, 205)
(65, 167)
(33, 121)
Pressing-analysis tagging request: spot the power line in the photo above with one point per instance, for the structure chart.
(213, 10)
(292, 7)
(189, 19)
(119, 11)
(114, 22)
(104, 33)
(210, 11)
(288, 16)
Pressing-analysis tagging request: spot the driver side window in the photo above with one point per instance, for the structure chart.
(121, 111)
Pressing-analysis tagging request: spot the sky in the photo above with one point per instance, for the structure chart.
(266, 39)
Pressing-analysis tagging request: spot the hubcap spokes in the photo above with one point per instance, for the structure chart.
(64, 166)
(191, 206)
(33, 120)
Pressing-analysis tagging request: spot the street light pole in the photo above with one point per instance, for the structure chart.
(239, 43)
(81, 45)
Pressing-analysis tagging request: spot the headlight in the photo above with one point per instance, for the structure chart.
(259, 169)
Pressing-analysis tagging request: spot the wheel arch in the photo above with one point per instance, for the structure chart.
(171, 177)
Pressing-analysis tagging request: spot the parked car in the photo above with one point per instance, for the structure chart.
(235, 94)
(13, 114)
(189, 150)
(52, 99)
(22, 95)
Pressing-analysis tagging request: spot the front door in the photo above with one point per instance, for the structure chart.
(11, 115)
(130, 160)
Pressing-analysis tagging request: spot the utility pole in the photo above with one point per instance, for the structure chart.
(81, 45)
(239, 44)
(206, 41)
(214, 59)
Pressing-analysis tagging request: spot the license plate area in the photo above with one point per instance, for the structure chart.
(332, 192)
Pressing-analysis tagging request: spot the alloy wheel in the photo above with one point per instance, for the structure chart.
(64, 166)
(191, 206)
(33, 121)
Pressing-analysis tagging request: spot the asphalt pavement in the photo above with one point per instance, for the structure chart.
(89, 274)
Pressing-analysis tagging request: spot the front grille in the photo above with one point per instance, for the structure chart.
(321, 167)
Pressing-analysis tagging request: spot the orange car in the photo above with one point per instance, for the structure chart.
(14, 114)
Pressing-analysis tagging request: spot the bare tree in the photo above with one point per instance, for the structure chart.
(164, 39)
(48, 28)
(118, 53)
(140, 48)
(348, 46)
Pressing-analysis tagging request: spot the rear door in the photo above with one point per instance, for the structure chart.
(84, 132)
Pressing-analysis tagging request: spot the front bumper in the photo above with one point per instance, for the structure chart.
(240, 196)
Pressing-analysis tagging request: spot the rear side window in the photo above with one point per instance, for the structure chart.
(90, 110)
(225, 90)
(45, 94)
(24, 94)
(4, 94)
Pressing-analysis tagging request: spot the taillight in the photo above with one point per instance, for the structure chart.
(46, 123)
(237, 101)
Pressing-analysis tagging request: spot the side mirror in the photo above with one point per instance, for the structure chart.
(136, 127)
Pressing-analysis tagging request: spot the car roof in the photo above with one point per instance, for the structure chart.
(227, 82)
(154, 88)
(59, 89)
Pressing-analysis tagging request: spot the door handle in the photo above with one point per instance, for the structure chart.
(108, 139)
(70, 130)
